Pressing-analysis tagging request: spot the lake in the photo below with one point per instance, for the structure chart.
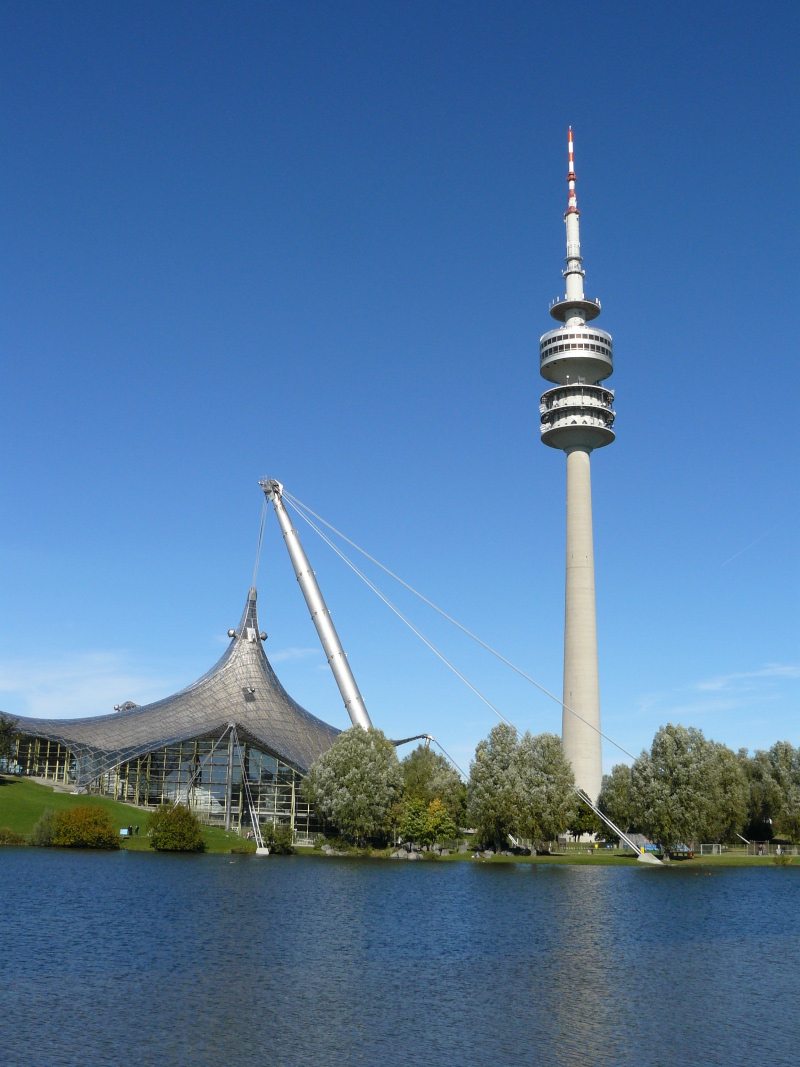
(127, 957)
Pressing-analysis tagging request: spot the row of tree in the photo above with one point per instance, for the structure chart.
(517, 786)
(685, 789)
(689, 788)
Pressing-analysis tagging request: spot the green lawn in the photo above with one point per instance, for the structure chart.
(23, 801)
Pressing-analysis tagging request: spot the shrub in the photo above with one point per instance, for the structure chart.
(278, 838)
(175, 829)
(84, 826)
(10, 837)
(44, 830)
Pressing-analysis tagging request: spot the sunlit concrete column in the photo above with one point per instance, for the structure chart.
(581, 682)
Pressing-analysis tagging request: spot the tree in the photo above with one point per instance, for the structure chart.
(8, 735)
(615, 800)
(175, 829)
(727, 795)
(785, 763)
(687, 789)
(790, 814)
(84, 826)
(584, 821)
(427, 823)
(414, 821)
(428, 776)
(354, 785)
(764, 795)
(774, 791)
(439, 825)
(547, 800)
(493, 790)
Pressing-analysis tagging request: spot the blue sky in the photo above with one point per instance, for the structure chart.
(318, 242)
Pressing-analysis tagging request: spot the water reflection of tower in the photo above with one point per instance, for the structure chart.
(577, 416)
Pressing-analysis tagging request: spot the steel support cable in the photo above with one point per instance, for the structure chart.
(430, 737)
(300, 508)
(260, 539)
(248, 794)
(191, 783)
(578, 792)
(448, 756)
(409, 624)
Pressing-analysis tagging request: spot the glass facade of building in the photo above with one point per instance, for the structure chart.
(194, 773)
(193, 747)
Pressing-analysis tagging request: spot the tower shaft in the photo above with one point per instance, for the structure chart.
(581, 680)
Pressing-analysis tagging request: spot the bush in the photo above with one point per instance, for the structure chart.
(44, 830)
(278, 838)
(84, 826)
(175, 829)
(10, 837)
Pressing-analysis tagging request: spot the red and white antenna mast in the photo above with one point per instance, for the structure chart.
(574, 272)
(572, 201)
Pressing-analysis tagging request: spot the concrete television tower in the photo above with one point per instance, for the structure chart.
(577, 417)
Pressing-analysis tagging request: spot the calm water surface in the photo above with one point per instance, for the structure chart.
(142, 959)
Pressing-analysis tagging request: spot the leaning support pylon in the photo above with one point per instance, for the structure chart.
(320, 616)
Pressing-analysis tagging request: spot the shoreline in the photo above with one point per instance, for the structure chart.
(618, 860)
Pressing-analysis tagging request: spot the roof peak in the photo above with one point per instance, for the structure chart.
(248, 624)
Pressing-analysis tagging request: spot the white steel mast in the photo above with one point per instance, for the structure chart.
(320, 616)
(577, 416)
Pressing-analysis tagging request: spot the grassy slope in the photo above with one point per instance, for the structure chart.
(23, 801)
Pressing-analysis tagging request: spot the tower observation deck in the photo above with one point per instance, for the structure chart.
(577, 416)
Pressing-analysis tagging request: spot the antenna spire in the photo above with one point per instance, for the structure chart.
(572, 201)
